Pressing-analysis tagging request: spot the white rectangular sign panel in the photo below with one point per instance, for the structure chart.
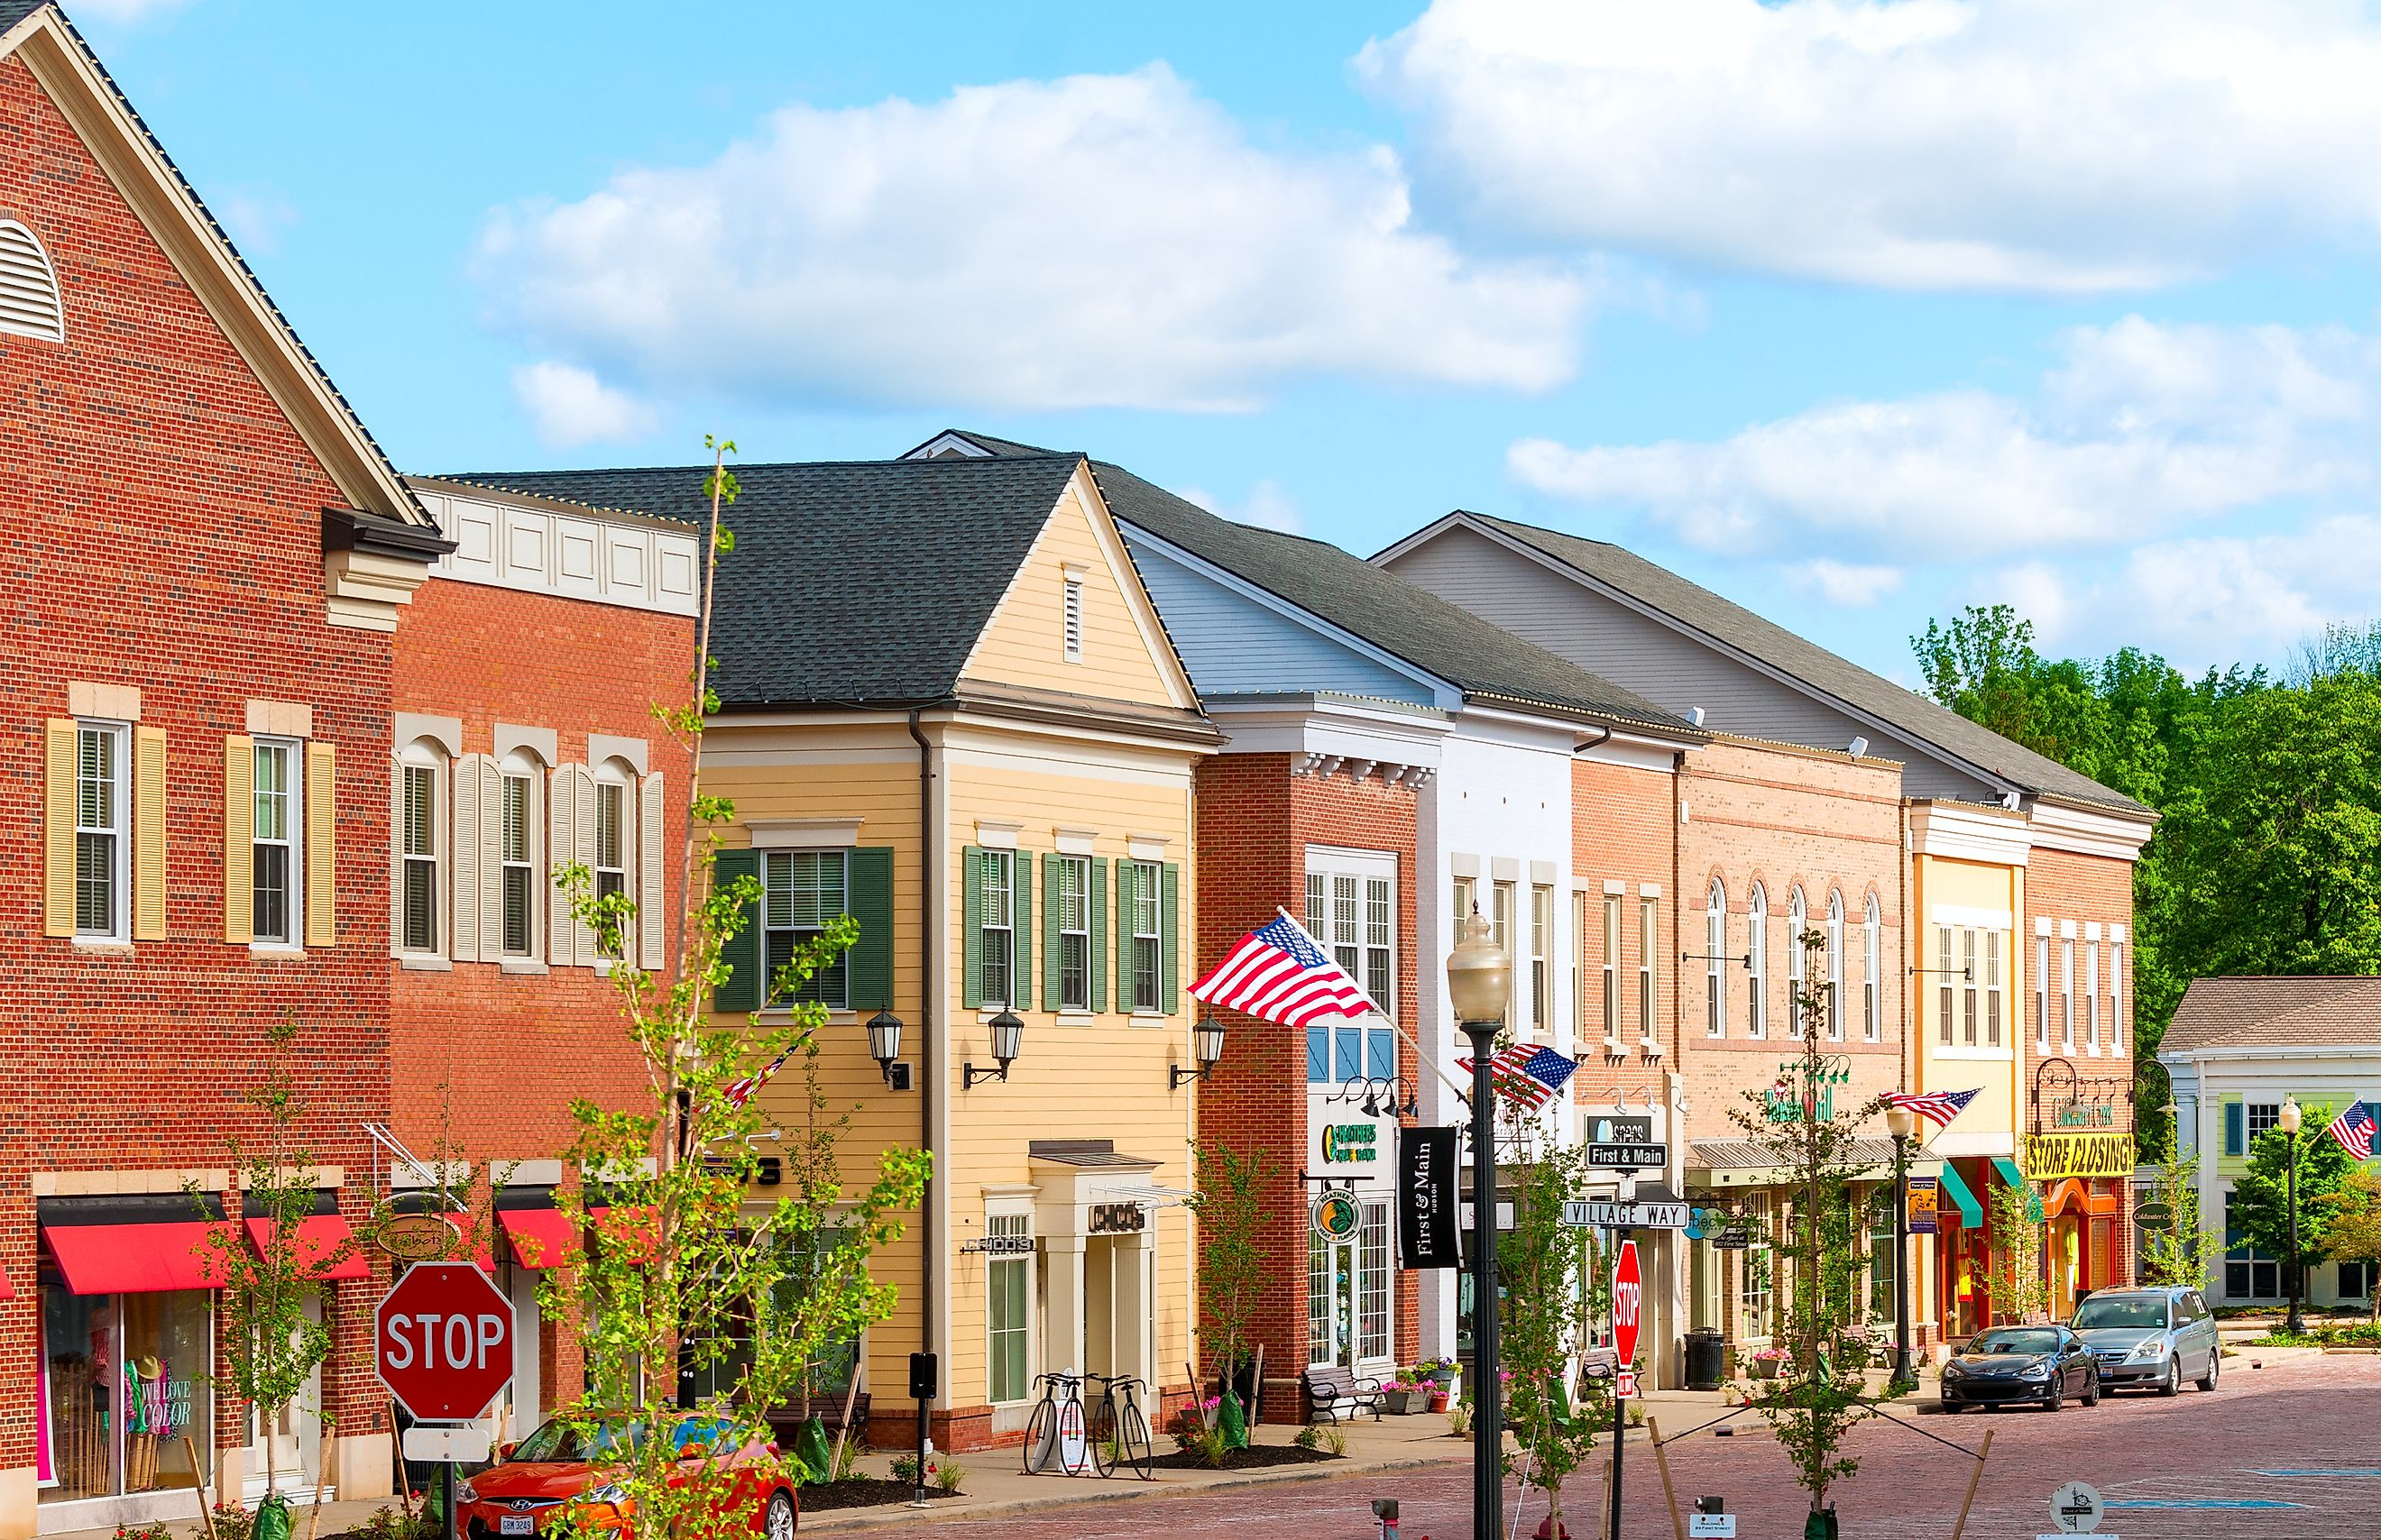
(1591, 1213)
(466, 1445)
(1719, 1526)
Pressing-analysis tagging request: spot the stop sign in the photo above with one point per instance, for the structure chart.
(443, 1342)
(1627, 1295)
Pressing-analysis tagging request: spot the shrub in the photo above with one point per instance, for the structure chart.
(947, 1478)
(233, 1521)
(143, 1531)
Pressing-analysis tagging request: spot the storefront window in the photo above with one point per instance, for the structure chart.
(1753, 1298)
(1882, 1256)
(125, 1376)
(1372, 1335)
(1009, 1280)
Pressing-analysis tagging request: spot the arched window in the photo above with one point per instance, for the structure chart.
(1756, 961)
(1798, 916)
(29, 287)
(1871, 972)
(1834, 967)
(1715, 954)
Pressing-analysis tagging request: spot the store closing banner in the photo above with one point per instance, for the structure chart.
(1426, 1229)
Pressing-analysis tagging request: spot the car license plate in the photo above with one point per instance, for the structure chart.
(516, 1524)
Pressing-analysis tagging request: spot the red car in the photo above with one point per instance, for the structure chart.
(536, 1479)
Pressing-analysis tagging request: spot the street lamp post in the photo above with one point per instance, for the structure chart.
(1899, 1121)
(2290, 1123)
(1479, 982)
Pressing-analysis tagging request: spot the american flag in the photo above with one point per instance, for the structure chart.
(1279, 974)
(1526, 1074)
(1936, 1107)
(2354, 1129)
(737, 1092)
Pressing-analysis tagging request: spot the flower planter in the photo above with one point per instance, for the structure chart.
(1440, 1399)
(1405, 1403)
(1766, 1368)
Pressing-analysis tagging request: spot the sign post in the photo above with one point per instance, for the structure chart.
(2076, 1509)
(443, 1344)
(1627, 1299)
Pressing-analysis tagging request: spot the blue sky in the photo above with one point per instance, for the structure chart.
(1854, 311)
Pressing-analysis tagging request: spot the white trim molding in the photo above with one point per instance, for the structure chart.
(804, 834)
(446, 731)
(1964, 832)
(2084, 831)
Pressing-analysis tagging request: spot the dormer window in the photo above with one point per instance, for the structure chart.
(29, 287)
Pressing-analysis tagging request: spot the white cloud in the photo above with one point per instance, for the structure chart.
(123, 13)
(257, 217)
(1268, 506)
(1098, 240)
(568, 405)
(1962, 144)
(1844, 584)
(2141, 427)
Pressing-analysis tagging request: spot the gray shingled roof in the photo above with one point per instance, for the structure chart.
(1482, 660)
(1699, 609)
(862, 582)
(2268, 1012)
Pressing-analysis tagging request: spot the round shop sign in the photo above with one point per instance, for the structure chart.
(1335, 1216)
(418, 1237)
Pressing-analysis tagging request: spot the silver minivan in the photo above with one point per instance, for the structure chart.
(2153, 1338)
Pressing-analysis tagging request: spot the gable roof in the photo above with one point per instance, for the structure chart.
(2276, 1011)
(865, 582)
(148, 181)
(1691, 608)
(967, 443)
(1485, 663)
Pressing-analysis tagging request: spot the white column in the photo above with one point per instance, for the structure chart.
(1063, 1349)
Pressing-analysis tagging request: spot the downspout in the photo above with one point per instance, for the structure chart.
(933, 1325)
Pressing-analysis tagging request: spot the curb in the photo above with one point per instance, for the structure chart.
(1132, 1492)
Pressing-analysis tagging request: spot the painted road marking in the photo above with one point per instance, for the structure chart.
(2200, 1503)
(2373, 1472)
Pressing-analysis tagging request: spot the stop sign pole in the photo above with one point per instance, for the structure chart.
(1628, 1306)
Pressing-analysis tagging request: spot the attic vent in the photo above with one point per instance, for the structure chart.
(28, 289)
(1074, 622)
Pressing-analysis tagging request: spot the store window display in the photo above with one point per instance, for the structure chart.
(124, 1380)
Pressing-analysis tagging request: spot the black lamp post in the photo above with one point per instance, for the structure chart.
(2289, 1125)
(1206, 1047)
(1008, 1037)
(1479, 982)
(1899, 1121)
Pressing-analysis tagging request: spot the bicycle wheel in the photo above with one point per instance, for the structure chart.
(1134, 1442)
(1103, 1435)
(1040, 1433)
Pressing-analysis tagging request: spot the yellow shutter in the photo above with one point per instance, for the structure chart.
(148, 834)
(239, 837)
(59, 830)
(322, 845)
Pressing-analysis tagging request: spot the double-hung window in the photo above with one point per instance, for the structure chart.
(1542, 958)
(1500, 931)
(516, 847)
(1992, 993)
(418, 804)
(804, 892)
(1612, 966)
(2066, 995)
(274, 898)
(1871, 970)
(2092, 997)
(2116, 997)
(1138, 893)
(996, 935)
(1353, 914)
(611, 843)
(1648, 918)
(1715, 948)
(1074, 933)
(1946, 981)
(1968, 991)
(1756, 953)
(2042, 993)
(1835, 967)
(1797, 983)
(101, 830)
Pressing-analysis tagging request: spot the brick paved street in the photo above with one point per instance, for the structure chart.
(2294, 1445)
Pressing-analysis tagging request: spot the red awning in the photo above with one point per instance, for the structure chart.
(134, 1258)
(7, 1290)
(317, 1236)
(540, 1237)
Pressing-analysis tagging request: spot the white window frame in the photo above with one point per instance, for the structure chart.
(118, 735)
(1756, 953)
(519, 767)
(622, 784)
(2116, 998)
(1946, 988)
(1362, 940)
(997, 873)
(1542, 958)
(2067, 994)
(1995, 992)
(1834, 967)
(1873, 971)
(1648, 928)
(1972, 1034)
(292, 752)
(1715, 948)
(1140, 885)
(1798, 917)
(1019, 1271)
(1503, 905)
(1376, 1279)
(1612, 968)
(2042, 993)
(1758, 1215)
(832, 986)
(1073, 995)
(2091, 997)
(423, 757)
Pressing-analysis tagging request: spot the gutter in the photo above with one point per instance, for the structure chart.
(934, 1325)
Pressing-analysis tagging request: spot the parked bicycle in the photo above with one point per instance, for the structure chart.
(1119, 1433)
(1058, 1436)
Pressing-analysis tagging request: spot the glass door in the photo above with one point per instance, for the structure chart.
(284, 1450)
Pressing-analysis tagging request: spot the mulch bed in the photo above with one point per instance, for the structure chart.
(1255, 1457)
(865, 1492)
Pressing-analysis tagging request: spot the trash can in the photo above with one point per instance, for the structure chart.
(1706, 1359)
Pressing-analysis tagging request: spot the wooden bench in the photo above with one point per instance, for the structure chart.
(786, 1421)
(1332, 1389)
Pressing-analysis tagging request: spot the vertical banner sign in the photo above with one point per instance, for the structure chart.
(1627, 1299)
(1427, 1210)
(1926, 1192)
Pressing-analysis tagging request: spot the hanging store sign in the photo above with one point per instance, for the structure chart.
(1926, 1197)
(1001, 1246)
(418, 1237)
(1335, 1216)
(1604, 1129)
(1629, 1156)
(2056, 1157)
(1117, 1219)
(1349, 1144)
(1426, 1199)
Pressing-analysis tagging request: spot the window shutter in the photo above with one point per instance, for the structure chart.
(463, 852)
(971, 927)
(59, 830)
(651, 888)
(2236, 1129)
(1169, 965)
(148, 834)
(743, 988)
(491, 793)
(1126, 872)
(1052, 975)
(871, 959)
(583, 818)
(562, 848)
(396, 855)
(1021, 974)
(1099, 929)
(240, 838)
(322, 845)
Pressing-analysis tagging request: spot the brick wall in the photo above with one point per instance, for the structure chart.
(164, 531)
(2067, 888)
(1621, 823)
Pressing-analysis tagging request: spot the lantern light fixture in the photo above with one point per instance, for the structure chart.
(1008, 1037)
(1206, 1049)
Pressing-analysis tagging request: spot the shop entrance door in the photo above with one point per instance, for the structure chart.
(1347, 1311)
(292, 1438)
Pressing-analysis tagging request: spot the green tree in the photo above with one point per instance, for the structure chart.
(2179, 1257)
(685, 1271)
(1232, 1206)
(2352, 1223)
(2018, 1293)
(1555, 1287)
(2261, 1206)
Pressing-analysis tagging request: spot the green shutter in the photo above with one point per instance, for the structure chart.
(1099, 929)
(871, 959)
(2236, 1129)
(1053, 994)
(741, 990)
(1169, 901)
(1020, 919)
(970, 926)
(1126, 872)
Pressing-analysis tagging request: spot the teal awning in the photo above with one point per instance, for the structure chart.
(1972, 1213)
(2010, 1173)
